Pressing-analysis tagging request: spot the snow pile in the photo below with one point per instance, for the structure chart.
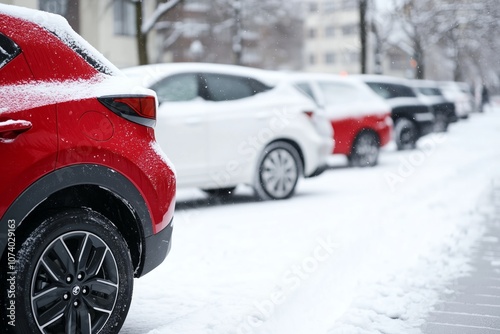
(350, 253)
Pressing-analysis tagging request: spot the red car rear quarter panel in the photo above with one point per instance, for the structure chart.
(346, 130)
(128, 151)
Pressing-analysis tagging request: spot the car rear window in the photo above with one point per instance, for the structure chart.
(8, 50)
(87, 55)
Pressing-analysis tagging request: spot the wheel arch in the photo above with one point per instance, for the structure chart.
(362, 131)
(296, 146)
(92, 186)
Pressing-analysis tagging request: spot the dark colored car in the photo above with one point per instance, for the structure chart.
(86, 195)
(412, 118)
(442, 108)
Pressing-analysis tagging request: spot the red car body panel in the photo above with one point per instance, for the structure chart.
(346, 130)
(70, 132)
(45, 55)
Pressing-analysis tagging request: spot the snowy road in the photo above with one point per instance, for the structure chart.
(355, 251)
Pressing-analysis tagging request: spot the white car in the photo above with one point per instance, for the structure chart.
(225, 125)
(456, 92)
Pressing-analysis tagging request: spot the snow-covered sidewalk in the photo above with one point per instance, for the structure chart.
(355, 251)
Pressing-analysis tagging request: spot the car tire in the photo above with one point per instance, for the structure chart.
(278, 171)
(220, 192)
(405, 134)
(365, 150)
(440, 122)
(75, 275)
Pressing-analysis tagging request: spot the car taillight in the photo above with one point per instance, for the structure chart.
(309, 114)
(140, 109)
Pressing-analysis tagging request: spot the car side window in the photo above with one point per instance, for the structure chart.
(305, 88)
(381, 89)
(221, 87)
(8, 50)
(403, 91)
(430, 91)
(390, 91)
(176, 88)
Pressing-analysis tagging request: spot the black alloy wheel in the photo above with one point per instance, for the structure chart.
(365, 150)
(406, 134)
(75, 275)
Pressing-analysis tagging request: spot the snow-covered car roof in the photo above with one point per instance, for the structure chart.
(60, 27)
(149, 74)
(381, 78)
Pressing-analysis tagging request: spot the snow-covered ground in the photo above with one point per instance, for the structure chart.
(362, 250)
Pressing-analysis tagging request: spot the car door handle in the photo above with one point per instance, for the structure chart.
(193, 120)
(10, 129)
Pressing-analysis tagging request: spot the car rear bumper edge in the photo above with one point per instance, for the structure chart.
(156, 248)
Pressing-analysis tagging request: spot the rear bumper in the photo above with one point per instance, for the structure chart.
(156, 249)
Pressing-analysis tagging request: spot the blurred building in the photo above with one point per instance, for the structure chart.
(332, 42)
(332, 36)
(230, 32)
(109, 25)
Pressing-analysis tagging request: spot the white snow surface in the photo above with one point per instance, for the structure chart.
(40, 93)
(356, 250)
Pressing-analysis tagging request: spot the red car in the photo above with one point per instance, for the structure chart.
(361, 120)
(86, 195)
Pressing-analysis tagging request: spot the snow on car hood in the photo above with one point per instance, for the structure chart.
(39, 93)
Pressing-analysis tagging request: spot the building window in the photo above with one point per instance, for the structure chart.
(351, 57)
(313, 7)
(330, 58)
(330, 31)
(351, 29)
(329, 6)
(312, 59)
(124, 17)
(349, 4)
(54, 6)
(311, 33)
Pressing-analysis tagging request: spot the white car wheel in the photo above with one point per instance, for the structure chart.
(278, 171)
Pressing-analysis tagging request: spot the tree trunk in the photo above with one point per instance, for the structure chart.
(419, 59)
(237, 34)
(362, 34)
(142, 39)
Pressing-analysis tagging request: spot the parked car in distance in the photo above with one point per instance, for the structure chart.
(412, 118)
(87, 197)
(224, 125)
(460, 94)
(361, 119)
(442, 108)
